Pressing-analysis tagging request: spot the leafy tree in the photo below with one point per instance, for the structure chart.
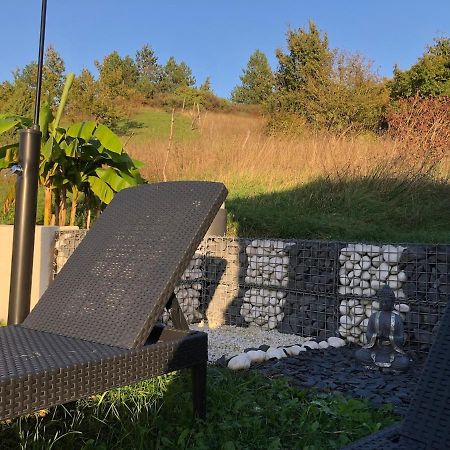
(206, 85)
(430, 76)
(83, 100)
(324, 88)
(149, 71)
(257, 81)
(53, 75)
(175, 75)
(309, 58)
(117, 76)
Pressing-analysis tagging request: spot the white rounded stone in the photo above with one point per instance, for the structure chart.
(365, 262)
(392, 254)
(345, 320)
(323, 344)
(311, 344)
(344, 290)
(256, 356)
(294, 350)
(402, 308)
(369, 292)
(336, 342)
(365, 276)
(273, 352)
(239, 362)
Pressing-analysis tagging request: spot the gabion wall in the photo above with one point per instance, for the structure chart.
(310, 288)
(320, 288)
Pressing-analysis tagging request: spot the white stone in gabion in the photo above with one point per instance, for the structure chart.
(355, 331)
(352, 339)
(364, 284)
(358, 319)
(365, 262)
(393, 282)
(345, 321)
(323, 344)
(336, 342)
(392, 254)
(354, 282)
(371, 250)
(347, 251)
(239, 362)
(344, 309)
(342, 258)
(399, 295)
(401, 276)
(369, 292)
(363, 324)
(375, 305)
(281, 294)
(343, 331)
(402, 308)
(345, 281)
(376, 261)
(357, 310)
(355, 258)
(357, 270)
(382, 272)
(272, 322)
(256, 356)
(376, 284)
(348, 265)
(365, 275)
(344, 290)
(260, 321)
(352, 302)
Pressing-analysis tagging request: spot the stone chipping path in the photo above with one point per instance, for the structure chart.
(335, 369)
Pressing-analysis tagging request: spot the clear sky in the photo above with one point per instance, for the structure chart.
(216, 38)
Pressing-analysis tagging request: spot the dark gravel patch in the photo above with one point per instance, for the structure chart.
(335, 369)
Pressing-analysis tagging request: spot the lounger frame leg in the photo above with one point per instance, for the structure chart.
(199, 390)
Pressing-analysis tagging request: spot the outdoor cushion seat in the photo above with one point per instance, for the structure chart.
(96, 327)
(426, 425)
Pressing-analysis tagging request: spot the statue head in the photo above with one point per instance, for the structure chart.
(386, 297)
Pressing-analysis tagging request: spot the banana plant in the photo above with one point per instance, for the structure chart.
(86, 158)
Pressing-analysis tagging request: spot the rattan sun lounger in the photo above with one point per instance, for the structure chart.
(95, 327)
(426, 425)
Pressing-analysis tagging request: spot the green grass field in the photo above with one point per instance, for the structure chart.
(368, 208)
(245, 411)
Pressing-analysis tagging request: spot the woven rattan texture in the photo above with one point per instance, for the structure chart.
(116, 284)
(38, 370)
(428, 418)
(387, 439)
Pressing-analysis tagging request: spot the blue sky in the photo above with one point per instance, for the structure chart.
(216, 38)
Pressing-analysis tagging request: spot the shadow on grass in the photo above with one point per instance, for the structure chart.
(389, 209)
(127, 126)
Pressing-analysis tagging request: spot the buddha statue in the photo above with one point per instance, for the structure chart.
(385, 337)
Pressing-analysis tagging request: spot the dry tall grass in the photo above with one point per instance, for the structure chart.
(235, 148)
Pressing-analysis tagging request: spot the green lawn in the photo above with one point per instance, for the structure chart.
(356, 209)
(155, 124)
(245, 411)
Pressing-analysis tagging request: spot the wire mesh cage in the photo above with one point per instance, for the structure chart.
(305, 287)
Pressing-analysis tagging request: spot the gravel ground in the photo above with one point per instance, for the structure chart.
(229, 340)
(336, 369)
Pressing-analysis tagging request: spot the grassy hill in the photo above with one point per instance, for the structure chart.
(308, 186)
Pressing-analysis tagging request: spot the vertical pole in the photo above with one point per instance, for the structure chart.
(26, 203)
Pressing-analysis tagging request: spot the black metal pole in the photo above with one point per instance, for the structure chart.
(26, 203)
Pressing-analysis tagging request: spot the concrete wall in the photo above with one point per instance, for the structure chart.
(43, 263)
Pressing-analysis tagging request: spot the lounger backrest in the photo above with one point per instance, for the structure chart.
(428, 417)
(114, 287)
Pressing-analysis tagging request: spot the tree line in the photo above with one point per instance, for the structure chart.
(121, 83)
(320, 87)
